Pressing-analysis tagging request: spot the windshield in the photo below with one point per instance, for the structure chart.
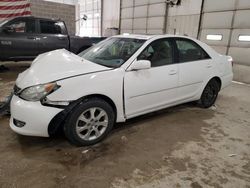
(112, 52)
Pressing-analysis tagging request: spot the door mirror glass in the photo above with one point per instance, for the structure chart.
(140, 65)
(9, 29)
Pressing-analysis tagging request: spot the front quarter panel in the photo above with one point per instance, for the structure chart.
(108, 83)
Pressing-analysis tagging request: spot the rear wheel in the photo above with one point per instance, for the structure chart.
(209, 94)
(90, 122)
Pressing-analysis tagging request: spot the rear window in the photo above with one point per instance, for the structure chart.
(190, 51)
(50, 27)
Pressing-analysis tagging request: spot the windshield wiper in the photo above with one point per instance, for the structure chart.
(110, 66)
(103, 64)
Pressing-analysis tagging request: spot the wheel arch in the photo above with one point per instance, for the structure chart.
(218, 80)
(103, 97)
(57, 123)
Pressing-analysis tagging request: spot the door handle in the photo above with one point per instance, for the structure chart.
(172, 72)
(34, 38)
(61, 38)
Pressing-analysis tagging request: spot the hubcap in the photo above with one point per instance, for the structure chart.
(92, 123)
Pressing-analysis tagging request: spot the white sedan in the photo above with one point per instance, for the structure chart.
(115, 80)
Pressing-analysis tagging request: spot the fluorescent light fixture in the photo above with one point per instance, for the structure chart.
(244, 38)
(214, 37)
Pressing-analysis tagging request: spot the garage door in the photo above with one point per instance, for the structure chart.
(143, 16)
(226, 27)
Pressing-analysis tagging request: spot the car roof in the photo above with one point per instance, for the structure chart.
(135, 36)
(34, 17)
(148, 37)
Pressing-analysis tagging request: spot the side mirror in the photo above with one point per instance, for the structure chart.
(9, 29)
(140, 65)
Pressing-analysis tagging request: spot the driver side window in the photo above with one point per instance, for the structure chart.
(159, 53)
(21, 26)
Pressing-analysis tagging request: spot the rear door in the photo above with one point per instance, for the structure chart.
(53, 35)
(195, 65)
(21, 41)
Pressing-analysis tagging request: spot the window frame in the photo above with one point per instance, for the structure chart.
(174, 55)
(63, 29)
(195, 43)
(24, 19)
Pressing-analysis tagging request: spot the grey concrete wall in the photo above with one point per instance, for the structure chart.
(47, 9)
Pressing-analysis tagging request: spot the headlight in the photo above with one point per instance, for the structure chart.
(38, 92)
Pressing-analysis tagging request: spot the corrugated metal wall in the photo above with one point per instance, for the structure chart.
(184, 19)
(219, 24)
(151, 17)
(229, 19)
(143, 16)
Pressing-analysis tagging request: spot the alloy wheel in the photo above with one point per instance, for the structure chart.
(92, 123)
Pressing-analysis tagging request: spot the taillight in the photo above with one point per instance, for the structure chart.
(230, 59)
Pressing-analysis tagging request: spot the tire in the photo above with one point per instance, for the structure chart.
(5, 106)
(209, 94)
(90, 122)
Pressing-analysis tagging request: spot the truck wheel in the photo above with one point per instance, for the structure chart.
(5, 105)
(90, 122)
(209, 94)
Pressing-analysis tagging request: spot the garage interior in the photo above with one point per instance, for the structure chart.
(181, 146)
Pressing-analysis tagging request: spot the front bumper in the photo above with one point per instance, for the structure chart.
(35, 116)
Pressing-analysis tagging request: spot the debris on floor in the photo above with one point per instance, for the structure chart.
(214, 107)
(232, 155)
(85, 151)
(124, 139)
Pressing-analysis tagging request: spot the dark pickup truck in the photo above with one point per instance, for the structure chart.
(24, 38)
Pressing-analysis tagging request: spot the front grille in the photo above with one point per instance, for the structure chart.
(16, 90)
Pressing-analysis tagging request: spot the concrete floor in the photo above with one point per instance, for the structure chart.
(183, 146)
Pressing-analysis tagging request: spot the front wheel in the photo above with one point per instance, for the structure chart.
(90, 122)
(5, 105)
(209, 94)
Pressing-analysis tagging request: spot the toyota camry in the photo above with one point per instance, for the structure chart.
(119, 78)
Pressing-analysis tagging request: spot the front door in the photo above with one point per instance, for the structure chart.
(154, 88)
(20, 41)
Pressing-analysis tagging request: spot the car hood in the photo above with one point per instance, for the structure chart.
(56, 65)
